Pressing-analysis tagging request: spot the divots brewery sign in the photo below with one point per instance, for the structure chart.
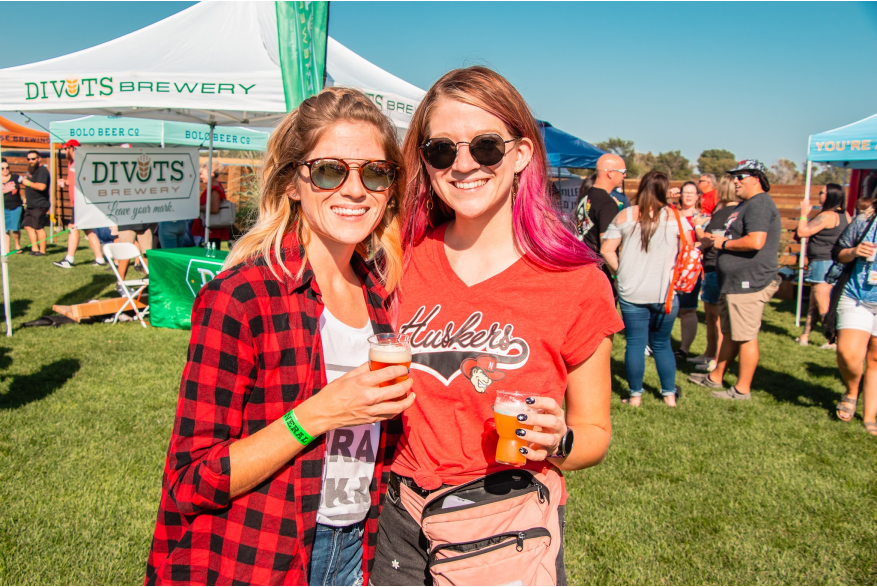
(106, 86)
(135, 186)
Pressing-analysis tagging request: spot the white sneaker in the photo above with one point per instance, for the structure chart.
(65, 264)
(706, 367)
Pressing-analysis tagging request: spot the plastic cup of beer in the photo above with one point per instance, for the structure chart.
(506, 408)
(388, 349)
(719, 232)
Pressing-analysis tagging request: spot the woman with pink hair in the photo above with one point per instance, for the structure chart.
(497, 295)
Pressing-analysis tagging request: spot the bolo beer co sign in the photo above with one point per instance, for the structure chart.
(135, 186)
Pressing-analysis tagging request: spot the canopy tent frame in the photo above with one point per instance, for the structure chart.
(847, 147)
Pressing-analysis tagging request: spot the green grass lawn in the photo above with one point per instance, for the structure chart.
(770, 491)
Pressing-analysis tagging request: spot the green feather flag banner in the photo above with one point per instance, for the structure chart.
(302, 31)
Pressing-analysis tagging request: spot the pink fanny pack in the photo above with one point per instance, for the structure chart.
(500, 529)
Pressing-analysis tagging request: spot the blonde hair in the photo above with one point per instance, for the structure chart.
(725, 193)
(291, 141)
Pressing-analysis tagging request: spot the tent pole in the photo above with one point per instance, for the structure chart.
(54, 192)
(209, 186)
(4, 270)
(802, 253)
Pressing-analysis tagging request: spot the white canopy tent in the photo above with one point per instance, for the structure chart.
(216, 63)
(853, 146)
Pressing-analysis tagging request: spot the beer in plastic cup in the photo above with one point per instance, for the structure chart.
(505, 413)
(719, 232)
(388, 349)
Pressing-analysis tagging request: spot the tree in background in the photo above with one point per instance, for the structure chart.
(674, 164)
(625, 150)
(824, 173)
(784, 172)
(716, 161)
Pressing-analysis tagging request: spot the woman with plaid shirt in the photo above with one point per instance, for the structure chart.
(254, 491)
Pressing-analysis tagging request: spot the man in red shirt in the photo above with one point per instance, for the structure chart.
(73, 239)
(707, 185)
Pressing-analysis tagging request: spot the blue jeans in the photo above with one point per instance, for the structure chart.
(711, 291)
(336, 558)
(816, 271)
(648, 324)
(174, 234)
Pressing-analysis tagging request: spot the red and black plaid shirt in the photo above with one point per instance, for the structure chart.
(255, 354)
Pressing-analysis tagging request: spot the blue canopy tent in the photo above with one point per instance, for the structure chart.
(853, 146)
(565, 150)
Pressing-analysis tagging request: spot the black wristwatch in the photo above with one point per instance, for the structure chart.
(724, 242)
(565, 446)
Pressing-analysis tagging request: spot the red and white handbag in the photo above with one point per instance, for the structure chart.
(688, 267)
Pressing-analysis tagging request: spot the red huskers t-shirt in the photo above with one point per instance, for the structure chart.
(523, 328)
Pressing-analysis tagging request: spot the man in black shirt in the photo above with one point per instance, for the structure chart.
(747, 270)
(36, 197)
(601, 208)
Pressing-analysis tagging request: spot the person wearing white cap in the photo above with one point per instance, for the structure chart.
(73, 238)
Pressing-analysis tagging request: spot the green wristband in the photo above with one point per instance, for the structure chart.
(296, 429)
(802, 218)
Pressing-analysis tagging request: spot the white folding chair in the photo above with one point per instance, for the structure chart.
(125, 252)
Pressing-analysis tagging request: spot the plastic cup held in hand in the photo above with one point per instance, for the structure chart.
(388, 349)
(506, 408)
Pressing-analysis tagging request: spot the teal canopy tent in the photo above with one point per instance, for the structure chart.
(113, 130)
(853, 146)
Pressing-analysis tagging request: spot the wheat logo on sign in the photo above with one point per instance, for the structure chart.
(72, 87)
(144, 168)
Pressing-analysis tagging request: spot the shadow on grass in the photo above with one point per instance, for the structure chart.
(817, 370)
(787, 388)
(85, 293)
(619, 377)
(25, 389)
(18, 308)
(619, 380)
(5, 359)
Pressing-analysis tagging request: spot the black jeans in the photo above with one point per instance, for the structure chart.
(401, 555)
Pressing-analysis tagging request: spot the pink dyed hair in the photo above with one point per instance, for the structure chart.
(539, 232)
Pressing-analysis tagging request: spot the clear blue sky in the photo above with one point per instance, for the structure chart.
(754, 78)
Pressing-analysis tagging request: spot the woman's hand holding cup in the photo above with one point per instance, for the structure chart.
(357, 398)
(549, 426)
(866, 250)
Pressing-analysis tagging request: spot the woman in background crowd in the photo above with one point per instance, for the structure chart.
(12, 205)
(217, 195)
(857, 317)
(822, 232)
(726, 203)
(689, 208)
(648, 235)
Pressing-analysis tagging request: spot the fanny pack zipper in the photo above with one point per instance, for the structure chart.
(519, 537)
(541, 491)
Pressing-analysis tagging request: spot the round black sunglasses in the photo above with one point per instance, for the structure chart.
(487, 149)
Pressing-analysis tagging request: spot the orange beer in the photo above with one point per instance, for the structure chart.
(386, 350)
(505, 413)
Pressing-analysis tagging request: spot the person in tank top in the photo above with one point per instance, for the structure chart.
(822, 233)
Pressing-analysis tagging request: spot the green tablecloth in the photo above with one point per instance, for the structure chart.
(175, 277)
